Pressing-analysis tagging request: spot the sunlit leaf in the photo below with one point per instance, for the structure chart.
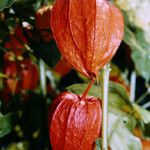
(143, 113)
(119, 134)
(118, 99)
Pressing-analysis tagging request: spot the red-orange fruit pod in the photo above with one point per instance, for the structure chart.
(145, 145)
(42, 22)
(11, 82)
(74, 122)
(29, 75)
(63, 67)
(17, 40)
(88, 33)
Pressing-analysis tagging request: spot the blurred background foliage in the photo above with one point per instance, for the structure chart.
(33, 73)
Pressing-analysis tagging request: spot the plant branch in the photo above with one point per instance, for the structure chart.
(42, 76)
(132, 86)
(146, 105)
(105, 76)
(142, 97)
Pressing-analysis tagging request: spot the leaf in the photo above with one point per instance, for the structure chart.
(80, 88)
(0, 104)
(145, 130)
(142, 113)
(119, 134)
(142, 62)
(3, 75)
(140, 53)
(88, 42)
(120, 90)
(137, 33)
(5, 4)
(118, 99)
(98, 144)
(48, 52)
(5, 124)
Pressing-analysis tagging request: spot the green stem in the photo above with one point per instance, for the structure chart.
(2, 75)
(142, 97)
(146, 105)
(105, 82)
(3, 49)
(132, 86)
(42, 77)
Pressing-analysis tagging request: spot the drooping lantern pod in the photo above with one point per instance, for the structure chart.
(29, 75)
(21, 75)
(87, 33)
(74, 122)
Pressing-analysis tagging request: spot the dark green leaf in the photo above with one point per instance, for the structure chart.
(0, 104)
(5, 124)
(48, 52)
(145, 128)
(5, 3)
(98, 144)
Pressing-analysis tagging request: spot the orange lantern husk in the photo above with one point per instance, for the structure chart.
(74, 122)
(87, 33)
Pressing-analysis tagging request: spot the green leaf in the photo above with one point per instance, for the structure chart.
(48, 52)
(0, 104)
(118, 99)
(98, 144)
(5, 4)
(142, 113)
(137, 33)
(120, 90)
(80, 88)
(120, 136)
(145, 128)
(3, 75)
(5, 124)
(140, 53)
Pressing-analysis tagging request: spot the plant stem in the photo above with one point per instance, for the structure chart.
(132, 86)
(142, 97)
(105, 75)
(3, 75)
(3, 49)
(42, 76)
(87, 89)
(146, 106)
